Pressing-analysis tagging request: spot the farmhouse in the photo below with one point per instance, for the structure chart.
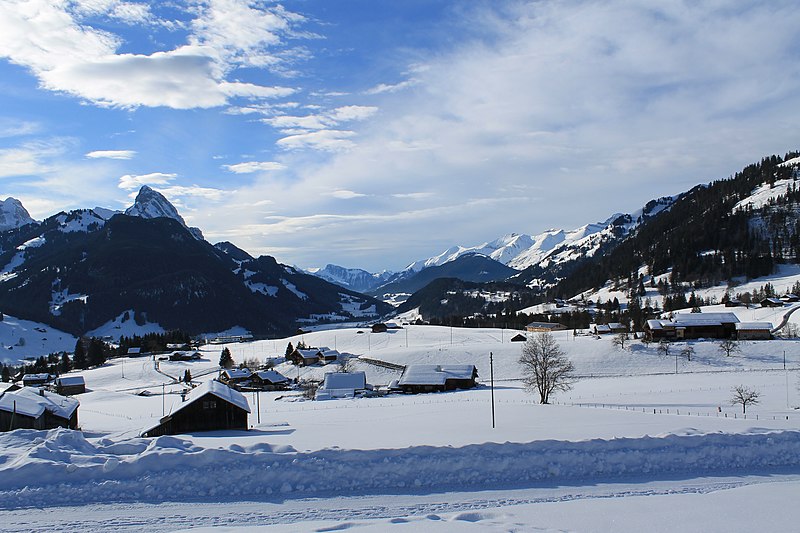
(210, 407)
(326, 355)
(771, 302)
(693, 326)
(751, 331)
(35, 380)
(342, 385)
(234, 377)
(304, 356)
(437, 378)
(37, 409)
(380, 327)
(268, 380)
(70, 385)
(519, 337)
(540, 327)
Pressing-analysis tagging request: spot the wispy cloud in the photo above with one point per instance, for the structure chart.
(111, 154)
(248, 167)
(131, 182)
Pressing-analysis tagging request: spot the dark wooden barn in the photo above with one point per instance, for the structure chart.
(70, 385)
(212, 406)
(29, 408)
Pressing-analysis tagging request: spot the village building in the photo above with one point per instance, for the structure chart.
(771, 302)
(617, 327)
(304, 356)
(210, 407)
(235, 377)
(185, 356)
(380, 327)
(437, 378)
(29, 408)
(342, 385)
(693, 326)
(35, 380)
(70, 385)
(519, 337)
(269, 380)
(790, 298)
(326, 355)
(752, 331)
(599, 329)
(541, 327)
(134, 352)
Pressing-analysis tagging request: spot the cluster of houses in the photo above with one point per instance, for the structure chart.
(313, 356)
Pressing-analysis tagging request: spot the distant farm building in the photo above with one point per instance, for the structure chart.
(304, 356)
(326, 355)
(437, 378)
(134, 352)
(235, 377)
(380, 327)
(70, 385)
(268, 380)
(28, 408)
(752, 331)
(771, 302)
(210, 407)
(35, 380)
(185, 356)
(519, 337)
(541, 327)
(693, 326)
(342, 385)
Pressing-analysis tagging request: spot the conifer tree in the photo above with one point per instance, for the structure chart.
(79, 357)
(97, 356)
(5, 374)
(225, 359)
(65, 365)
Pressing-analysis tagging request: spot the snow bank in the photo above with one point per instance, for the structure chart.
(62, 467)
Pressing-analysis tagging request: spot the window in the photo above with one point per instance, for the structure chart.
(209, 404)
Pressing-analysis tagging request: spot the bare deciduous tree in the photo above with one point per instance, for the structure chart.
(687, 352)
(545, 366)
(663, 347)
(729, 347)
(744, 396)
(619, 340)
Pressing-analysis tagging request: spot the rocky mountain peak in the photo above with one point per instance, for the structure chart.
(13, 214)
(150, 203)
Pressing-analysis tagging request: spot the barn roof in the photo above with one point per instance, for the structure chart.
(271, 375)
(220, 390)
(31, 403)
(237, 373)
(435, 374)
(345, 380)
(70, 380)
(754, 326)
(703, 319)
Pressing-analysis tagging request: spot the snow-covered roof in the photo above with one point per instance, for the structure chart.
(237, 373)
(703, 319)
(134, 350)
(308, 353)
(330, 353)
(345, 380)
(70, 380)
(271, 375)
(220, 390)
(754, 325)
(31, 402)
(35, 377)
(545, 325)
(655, 324)
(435, 374)
(616, 325)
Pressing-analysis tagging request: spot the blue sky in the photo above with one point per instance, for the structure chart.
(371, 134)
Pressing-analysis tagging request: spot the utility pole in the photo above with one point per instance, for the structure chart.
(491, 380)
(786, 372)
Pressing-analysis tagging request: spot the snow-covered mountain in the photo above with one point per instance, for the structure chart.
(353, 278)
(150, 203)
(13, 214)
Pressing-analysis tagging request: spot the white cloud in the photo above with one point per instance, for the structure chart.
(249, 167)
(134, 182)
(18, 128)
(382, 88)
(326, 140)
(344, 194)
(111, 154)
(71, 57)
(352, 112)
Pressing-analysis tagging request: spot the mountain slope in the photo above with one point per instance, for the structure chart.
(13, 214)
(352, 278)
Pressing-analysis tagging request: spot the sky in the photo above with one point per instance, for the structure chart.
(371, 134)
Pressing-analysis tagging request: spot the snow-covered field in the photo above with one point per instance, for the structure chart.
(632, 440)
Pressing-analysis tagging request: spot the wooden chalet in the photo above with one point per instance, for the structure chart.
(771, 302)
(185, 356)
(235, 377)
(693, 326)
(380, 327)
(541, 327)
(29, 408)
(269, 380)
(327, 356)
(304, 356)
(754, 331)
(70, 385)
(35, 380)
(519, 337)
(212, 406)
(437, 378)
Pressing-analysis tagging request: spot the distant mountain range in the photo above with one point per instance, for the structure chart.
(90, 269)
